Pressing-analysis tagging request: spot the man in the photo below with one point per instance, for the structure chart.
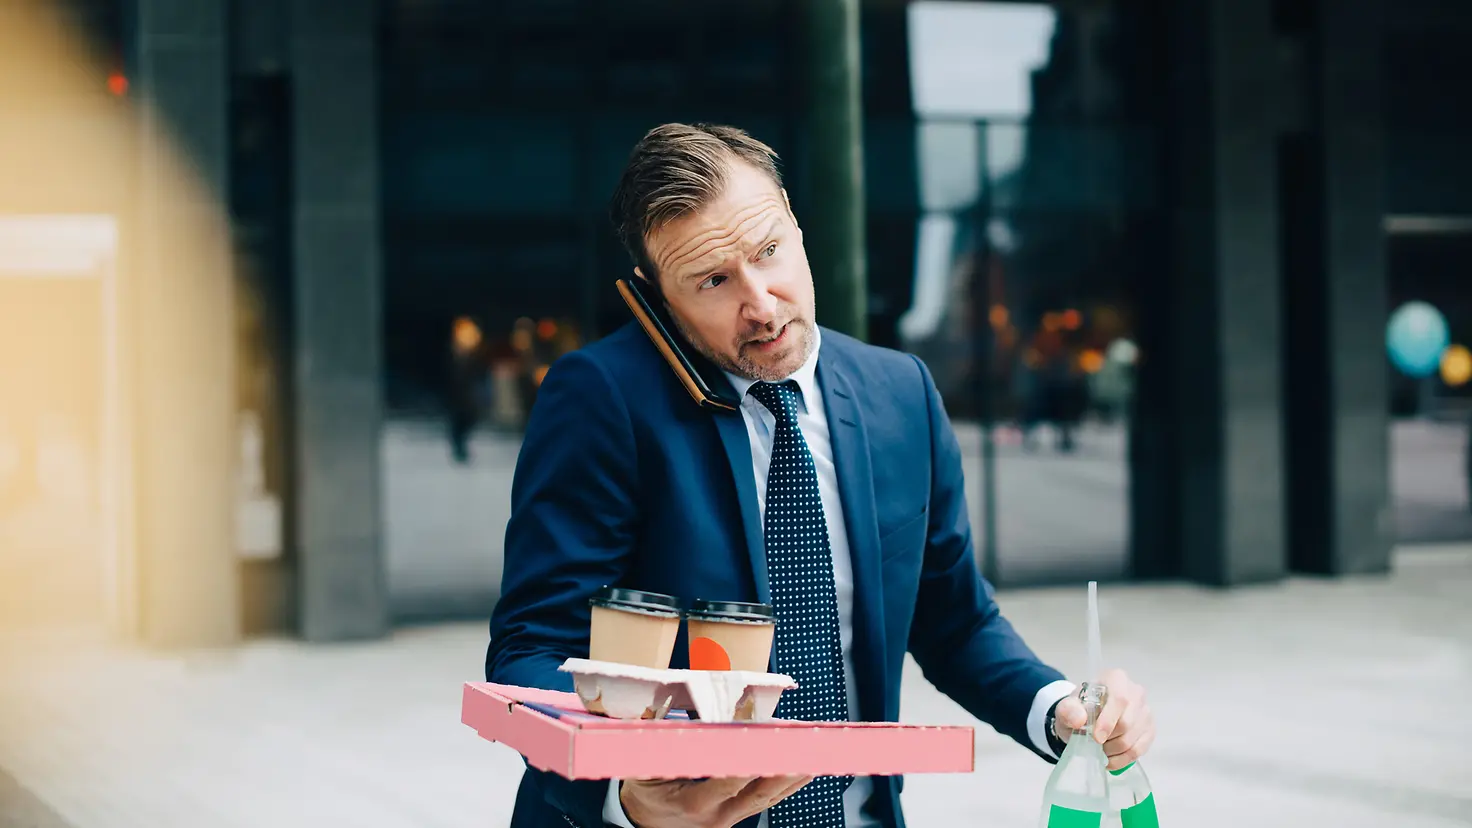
(835, 494)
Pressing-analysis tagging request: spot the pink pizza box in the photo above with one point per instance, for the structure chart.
(555, 733)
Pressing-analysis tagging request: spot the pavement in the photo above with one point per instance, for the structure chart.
(1309, 702)
(1428, 481)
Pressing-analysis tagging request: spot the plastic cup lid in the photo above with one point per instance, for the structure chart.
(619, 597)
(733, 610)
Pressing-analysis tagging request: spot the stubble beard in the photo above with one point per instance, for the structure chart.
(743, 365)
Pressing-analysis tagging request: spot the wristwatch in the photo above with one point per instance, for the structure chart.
(1051, 732)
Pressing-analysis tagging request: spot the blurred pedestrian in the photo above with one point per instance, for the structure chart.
(467, 376)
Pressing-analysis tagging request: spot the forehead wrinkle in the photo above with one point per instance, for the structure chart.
(712, 238)
(703, 244)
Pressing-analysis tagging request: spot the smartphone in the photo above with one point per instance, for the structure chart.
(709, 391)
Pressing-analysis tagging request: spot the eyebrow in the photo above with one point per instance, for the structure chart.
(699, 267)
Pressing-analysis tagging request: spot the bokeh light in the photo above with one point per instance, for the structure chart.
(1091, 361)
(467, 334)
(1415, 337)
(1124, 351)
(1456, 365)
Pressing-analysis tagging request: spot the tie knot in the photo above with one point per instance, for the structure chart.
(780, 398)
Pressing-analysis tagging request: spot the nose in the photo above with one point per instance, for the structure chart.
(759, 304)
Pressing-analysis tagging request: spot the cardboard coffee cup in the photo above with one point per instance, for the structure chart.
(729, 635)
(630, 626)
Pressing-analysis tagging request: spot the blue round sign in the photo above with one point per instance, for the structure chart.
(1416, 336)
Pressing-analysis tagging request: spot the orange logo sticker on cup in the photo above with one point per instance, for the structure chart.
(707, 654)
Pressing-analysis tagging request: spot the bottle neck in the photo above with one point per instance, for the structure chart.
(1093, 697)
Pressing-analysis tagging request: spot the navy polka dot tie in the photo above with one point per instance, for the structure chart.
(800, 573)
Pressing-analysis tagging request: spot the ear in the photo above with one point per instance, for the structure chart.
(640, 274)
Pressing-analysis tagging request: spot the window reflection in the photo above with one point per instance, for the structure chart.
(1427, 337)
(1037, 199)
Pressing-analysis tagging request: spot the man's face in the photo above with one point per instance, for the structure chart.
(736, 278)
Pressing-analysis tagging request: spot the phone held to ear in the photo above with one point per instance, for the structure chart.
(648, 308)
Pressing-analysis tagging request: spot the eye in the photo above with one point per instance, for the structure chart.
(713, 281)
(770, 251)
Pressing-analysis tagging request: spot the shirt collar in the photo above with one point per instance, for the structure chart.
(806, 376)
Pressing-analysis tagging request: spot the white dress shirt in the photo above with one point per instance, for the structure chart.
(761, 427)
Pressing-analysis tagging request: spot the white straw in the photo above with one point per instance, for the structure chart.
(1095, 647)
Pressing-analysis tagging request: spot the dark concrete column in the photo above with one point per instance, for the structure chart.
(1224, 330)
(834, 224)
(337, 324)
(182, 315)
(1337, 386)
(1351, 73)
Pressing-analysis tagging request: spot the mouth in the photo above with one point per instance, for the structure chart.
(772, 342)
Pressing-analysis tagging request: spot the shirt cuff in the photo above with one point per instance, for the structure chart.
(613, 809)
(1041, 703)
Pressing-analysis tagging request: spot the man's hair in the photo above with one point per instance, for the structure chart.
(675, 170)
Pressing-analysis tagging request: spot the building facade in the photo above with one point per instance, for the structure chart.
(1148, 249)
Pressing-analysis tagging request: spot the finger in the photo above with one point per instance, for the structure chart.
(1121, 743)
(774, 788)
(1135, 752)
(798, 783)
(756, 797)
(719, 789)
(1071, 713)
(756, 805)
(1108, 719)
(723, 801)
(654, 781)
(663, 787)
(777, 789)
(1128, 736)
(1126, 724)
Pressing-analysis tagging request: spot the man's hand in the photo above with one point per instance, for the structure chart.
(1125, 727)
(709, 803)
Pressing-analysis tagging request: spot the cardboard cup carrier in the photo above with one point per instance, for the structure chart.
(627, 675)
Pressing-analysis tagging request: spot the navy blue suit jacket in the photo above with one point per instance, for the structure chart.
(624, 480)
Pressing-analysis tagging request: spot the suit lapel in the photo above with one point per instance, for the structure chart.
(732, 428)
(856, 487)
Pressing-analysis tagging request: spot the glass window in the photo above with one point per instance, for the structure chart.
(1429, 334)
(1428, 245)
(1037, 187)
(504, 130)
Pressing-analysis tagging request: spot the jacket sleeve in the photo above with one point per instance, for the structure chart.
(573, 514)
(959, 638)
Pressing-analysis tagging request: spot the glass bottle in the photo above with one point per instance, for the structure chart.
(1077, 793)
(1131, 799)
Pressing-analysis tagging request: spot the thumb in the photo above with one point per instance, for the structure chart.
(1071, 714)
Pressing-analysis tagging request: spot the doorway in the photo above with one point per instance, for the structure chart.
(1431, 417)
